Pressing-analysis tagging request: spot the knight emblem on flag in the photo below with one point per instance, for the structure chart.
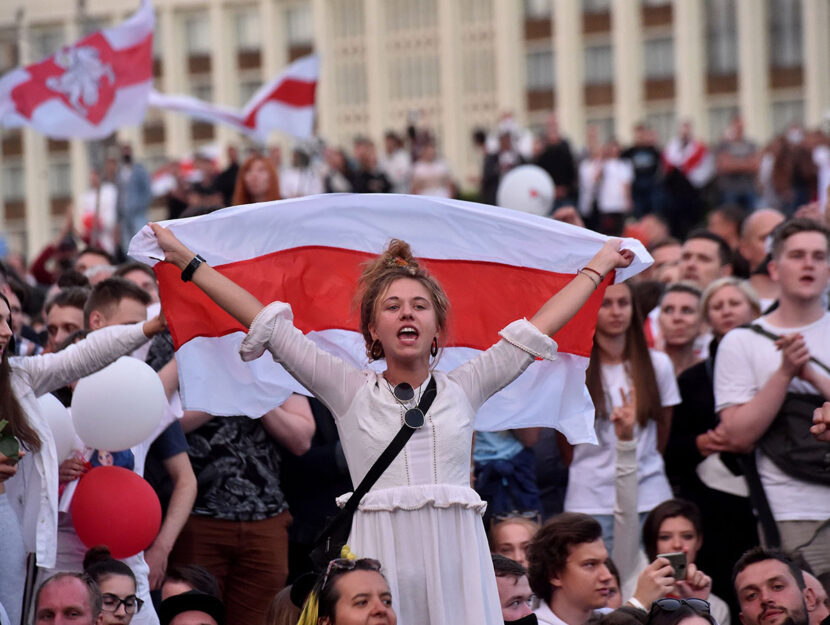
(80, 81)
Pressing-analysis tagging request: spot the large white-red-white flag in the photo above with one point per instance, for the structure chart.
(286, 104)
(87, 89)
(496, 266)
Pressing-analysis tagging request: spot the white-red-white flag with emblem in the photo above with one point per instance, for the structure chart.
(87, 89)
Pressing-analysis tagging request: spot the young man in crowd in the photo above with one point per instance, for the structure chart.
(753, 248)
(755, 374)
(68, 599)
(567, 570)
(142, 275)
(705, 257)
(515, 594)
(770, 589)
(115, 302)
(680, 323)
(65, 315)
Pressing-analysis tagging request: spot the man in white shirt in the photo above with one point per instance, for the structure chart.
(754, 374)
(567, 570)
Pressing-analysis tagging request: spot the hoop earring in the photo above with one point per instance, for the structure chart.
(376, 350)
(433, 351)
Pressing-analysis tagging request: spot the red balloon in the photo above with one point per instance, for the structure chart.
(115, 507)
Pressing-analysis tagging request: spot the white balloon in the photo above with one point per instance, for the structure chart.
(119, 406)
(60, 422)
(526, 188)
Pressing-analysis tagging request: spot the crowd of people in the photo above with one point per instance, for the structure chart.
(707, 497)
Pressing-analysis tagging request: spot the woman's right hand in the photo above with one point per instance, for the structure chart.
(175, 252)
(8, 467)
(655, 582)
(610, 256)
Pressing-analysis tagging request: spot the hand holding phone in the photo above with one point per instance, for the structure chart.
(678, 563)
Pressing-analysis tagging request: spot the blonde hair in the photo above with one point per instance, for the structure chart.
(394, 263)
(742, 285)
(529, 524)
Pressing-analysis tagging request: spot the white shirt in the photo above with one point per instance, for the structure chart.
(545, 615)
(33, 492)
(591, 474)
(744, 363)
(612, 196)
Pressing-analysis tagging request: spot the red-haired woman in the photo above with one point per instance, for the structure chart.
(421, 519)
(257, 181)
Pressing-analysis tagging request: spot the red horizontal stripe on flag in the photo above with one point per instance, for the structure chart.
(320, 284)
(291, 92)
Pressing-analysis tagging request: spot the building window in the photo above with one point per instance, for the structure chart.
(197, 34)
(721, 37)
(596, 6)
(599, 65)
(478, 70)
(656, 3)
(247, 89)
(202, 91)
(60, 179)
(8, 51)
(246, 24)
(414, 77)
(348, 18)
(719, 119)
(14, 182)
(663, 124)
(658, 58)
(46, 41)
(538, 9)
(784, 18)
(787, 112)
(299, 28)
(539, 70)
(350, 81)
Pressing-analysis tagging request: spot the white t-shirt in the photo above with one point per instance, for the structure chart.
(612, 197)
(591, 474)
(744, 363)
(432, 178)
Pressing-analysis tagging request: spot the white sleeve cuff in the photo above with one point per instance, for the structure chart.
(262, 329)
(527, 337)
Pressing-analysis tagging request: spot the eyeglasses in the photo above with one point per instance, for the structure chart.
(111, 603)
(672, 605)
(345, 564)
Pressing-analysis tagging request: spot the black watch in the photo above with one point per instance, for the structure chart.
(192, 266)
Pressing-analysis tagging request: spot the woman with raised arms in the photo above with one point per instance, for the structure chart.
(421, 518)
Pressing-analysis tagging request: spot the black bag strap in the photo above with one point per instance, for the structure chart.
(758, 329)
(391, 452)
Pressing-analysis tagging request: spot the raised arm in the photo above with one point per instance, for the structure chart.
(559, 309)
(228, 295)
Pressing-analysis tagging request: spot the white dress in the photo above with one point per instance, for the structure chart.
(421, 519)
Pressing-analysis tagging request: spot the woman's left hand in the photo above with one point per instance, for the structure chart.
(8, 467)
(697, 584)
(610, 256)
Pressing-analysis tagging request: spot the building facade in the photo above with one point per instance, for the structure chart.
(454, 65)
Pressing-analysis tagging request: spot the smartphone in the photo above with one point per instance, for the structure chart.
(678, 563)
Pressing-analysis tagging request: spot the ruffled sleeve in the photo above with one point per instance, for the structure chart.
(495, 368)
(333, 381)
(528, 338)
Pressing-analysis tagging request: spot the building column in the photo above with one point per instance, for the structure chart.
(223, 68)
(453, 135)
(569, 55)
(272, 38)
(815, 18)
(35, 168)
(753, 69)
(688, 26)
(377, 71)
(510, 72)
(324, 103)
(174, 79)
(78, 152)
(627, 35)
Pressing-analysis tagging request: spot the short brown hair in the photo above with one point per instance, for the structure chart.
(786, 229)
(71, 296)
(548, 552)
(108, 293)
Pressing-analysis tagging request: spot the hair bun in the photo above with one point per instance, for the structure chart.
(99, 553)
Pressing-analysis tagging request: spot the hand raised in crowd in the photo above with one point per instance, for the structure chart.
(610, 256)
(623, 417)
(821, 423)
(71, 469)
(697, 584)
(713, 441)
(794, 354)
(175, 252)
(8, 467)
(655, 582)
(156, 325)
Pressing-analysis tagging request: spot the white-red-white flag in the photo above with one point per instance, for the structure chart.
(87, 89)
(285, 104)
(496, 266)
